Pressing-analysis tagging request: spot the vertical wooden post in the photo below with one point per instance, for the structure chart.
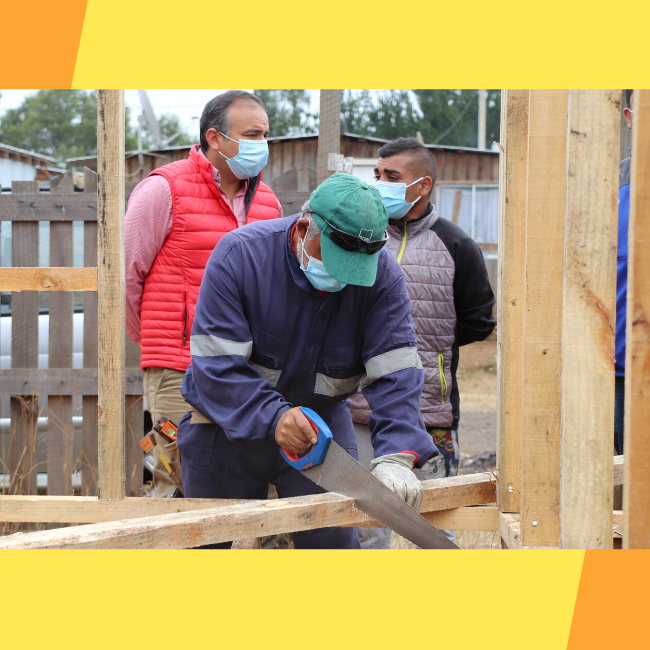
(24, 353)
(111, 300)
(510, 293)
(329, 129)
(588, 317)
(545, 213)
(89, 409)
(60, 432)
(636, 493)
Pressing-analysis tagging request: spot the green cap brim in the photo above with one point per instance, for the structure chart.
(345, 266)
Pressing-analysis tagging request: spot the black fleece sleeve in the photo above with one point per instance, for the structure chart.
(473, 296)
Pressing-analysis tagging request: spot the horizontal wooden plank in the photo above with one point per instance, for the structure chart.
(510, 529)
(291, 202)
(61, 381)
(465, 518)
(234, 522)
(23, 278)
(48, 207)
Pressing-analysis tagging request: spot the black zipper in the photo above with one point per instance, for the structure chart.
(185, 321)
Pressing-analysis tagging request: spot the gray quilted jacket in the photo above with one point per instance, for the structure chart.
(451, 305)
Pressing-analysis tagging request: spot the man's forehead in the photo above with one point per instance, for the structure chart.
(248, 113)
(401, 163)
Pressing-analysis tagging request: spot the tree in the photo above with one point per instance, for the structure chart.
(288, 111)
(63, 124)
(170, 127)
(442, 108)
(402, 113)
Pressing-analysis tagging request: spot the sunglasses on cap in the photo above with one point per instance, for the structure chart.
(351, 243)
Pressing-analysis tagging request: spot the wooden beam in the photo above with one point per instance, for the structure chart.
(510, 294)
(234, 522)
(439, 494)
(61, 381)
(588, 317)
(48, 207)
(21, 455)
(464, 518)
(636, 493)
(546, 206)
(111, 300)
(47, 279)
(329, 129)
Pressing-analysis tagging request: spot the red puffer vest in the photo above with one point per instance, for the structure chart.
(201, 217)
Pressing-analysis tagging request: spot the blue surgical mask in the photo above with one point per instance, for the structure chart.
(394, 197)
(319, 278)
(251, 159)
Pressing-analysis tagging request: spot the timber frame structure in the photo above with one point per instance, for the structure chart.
(556, 312)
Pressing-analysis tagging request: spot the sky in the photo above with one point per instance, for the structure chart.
(187, 104)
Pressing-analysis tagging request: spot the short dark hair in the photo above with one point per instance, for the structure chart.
(215, 113)
(425, 160)
(628, 97)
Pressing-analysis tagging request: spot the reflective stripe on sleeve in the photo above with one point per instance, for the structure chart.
(202, 345)
(388, 362)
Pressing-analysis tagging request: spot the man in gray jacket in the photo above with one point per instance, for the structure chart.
(451, 302)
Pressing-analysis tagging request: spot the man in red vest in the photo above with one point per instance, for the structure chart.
(175, 218)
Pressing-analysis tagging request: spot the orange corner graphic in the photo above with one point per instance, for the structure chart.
(41, 39)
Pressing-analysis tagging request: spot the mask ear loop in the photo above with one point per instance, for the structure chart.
(231, 140)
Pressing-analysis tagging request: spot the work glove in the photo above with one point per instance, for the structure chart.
(394, 471)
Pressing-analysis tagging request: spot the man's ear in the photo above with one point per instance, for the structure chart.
(301, 227)
(426, 184)
(628, 117)
(212, 136)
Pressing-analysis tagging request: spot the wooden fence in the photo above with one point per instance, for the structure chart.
(67, 389)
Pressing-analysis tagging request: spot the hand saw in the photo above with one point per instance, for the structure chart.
(332, 468)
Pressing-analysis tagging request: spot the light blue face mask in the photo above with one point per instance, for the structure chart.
(394, 197)
(319, 278)
(251, 159)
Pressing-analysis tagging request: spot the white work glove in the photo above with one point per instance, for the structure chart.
(394, 471)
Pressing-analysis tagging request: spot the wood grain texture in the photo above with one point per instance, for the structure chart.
(89, 428)
(111, 285)
(61, 381)
(329, 129)
(47, 279)
(23, 408)
(48, 207)
(636, 493)
(60, 432)
(439, 494)
(545, 213)
(510, 295)
(588, 317)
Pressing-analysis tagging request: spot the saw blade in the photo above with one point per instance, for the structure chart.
(342, 474)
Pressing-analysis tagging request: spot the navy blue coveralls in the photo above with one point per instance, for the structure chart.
(264, 341)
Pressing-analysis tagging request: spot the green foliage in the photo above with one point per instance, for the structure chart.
(63, 124)
(288, 111)
(402, 113)
(440, 108)
(170, 126)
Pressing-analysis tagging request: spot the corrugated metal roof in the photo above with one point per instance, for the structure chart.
(24, 152)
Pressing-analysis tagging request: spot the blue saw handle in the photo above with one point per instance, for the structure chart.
(316, 453)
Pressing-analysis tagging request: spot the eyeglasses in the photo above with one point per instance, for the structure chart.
(351, 243)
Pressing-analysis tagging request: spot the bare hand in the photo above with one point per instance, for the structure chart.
(294, 433)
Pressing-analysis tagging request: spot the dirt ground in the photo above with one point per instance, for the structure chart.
(477, 432)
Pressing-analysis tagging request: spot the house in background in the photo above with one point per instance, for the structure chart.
(20, 165)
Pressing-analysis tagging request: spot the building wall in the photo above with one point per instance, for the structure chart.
(14, 170)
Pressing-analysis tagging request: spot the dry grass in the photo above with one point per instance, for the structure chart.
(478, 388)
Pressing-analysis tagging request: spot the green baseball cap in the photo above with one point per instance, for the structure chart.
(346, 203)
